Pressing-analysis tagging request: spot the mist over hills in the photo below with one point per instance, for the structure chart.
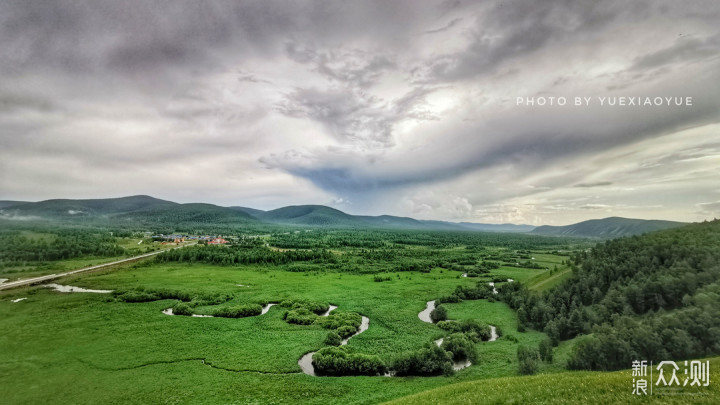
(143, 209)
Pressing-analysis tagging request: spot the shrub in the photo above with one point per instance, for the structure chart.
(461, 347)
(238, 311)
(449, 326)
(528, 360)
(545, 349)
(429, 360)
(475, 330)
(182, 308)
(438, 314)
(346, 331)
(452, 298)
(342, 361)
(333, 339)
(510, 338)
(379, 279)
(339, 319)
(137, 296)
(300, 316)
(312, 306)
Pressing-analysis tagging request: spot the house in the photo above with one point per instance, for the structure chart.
(217, 241)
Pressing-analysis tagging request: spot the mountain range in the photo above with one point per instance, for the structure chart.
(148, 210)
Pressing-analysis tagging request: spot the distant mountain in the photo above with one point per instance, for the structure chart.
(146, 210)
(314, 215)
(320, 215)
(59, 209)
(139, 209)
(612, 227)
(8, 203)
(252, 211)
(496, 227)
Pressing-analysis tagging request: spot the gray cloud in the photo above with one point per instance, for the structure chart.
(685, 50)
(394, 106)
(596, 184)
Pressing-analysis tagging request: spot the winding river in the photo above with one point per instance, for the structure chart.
(424, 316)
(305, 361)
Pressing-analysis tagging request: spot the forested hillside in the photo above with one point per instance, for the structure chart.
(613, 227)
(653, 297)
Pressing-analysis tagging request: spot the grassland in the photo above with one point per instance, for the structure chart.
(123, 352)
(87, 348)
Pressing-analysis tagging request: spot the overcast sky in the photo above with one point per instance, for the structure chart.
(388, 107)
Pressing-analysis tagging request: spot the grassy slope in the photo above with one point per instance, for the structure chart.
(565, 388)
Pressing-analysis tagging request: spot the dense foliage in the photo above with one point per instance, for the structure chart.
(528, 360)
(428, 360)
(59, 245)
(343, 361)
(653, 297)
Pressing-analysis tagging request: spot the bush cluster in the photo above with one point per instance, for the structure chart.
(237, 311)
(438, 314)
(340, 361)
(460, 346)
(300, 316)
(475, 330)
(429, 360)
(312, 306)
(528, 360)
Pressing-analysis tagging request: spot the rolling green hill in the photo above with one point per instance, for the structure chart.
(8, 203)
(252, 211)
(69, 209)
(314, 215)
(613, 227)
(561, 388)
(182, 214)
(136, 210)
(146, 209)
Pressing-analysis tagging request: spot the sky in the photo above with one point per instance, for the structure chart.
(427, 109)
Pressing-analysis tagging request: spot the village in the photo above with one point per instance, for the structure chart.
(179, 238)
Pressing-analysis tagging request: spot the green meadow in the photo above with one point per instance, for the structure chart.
(121, 347)
(79, 347)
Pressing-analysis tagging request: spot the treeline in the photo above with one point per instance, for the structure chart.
(59, 245)
(652, 297)
(399, 239)
(229, 255)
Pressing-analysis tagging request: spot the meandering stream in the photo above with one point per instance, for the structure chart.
(424, 316)
(305, 361)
